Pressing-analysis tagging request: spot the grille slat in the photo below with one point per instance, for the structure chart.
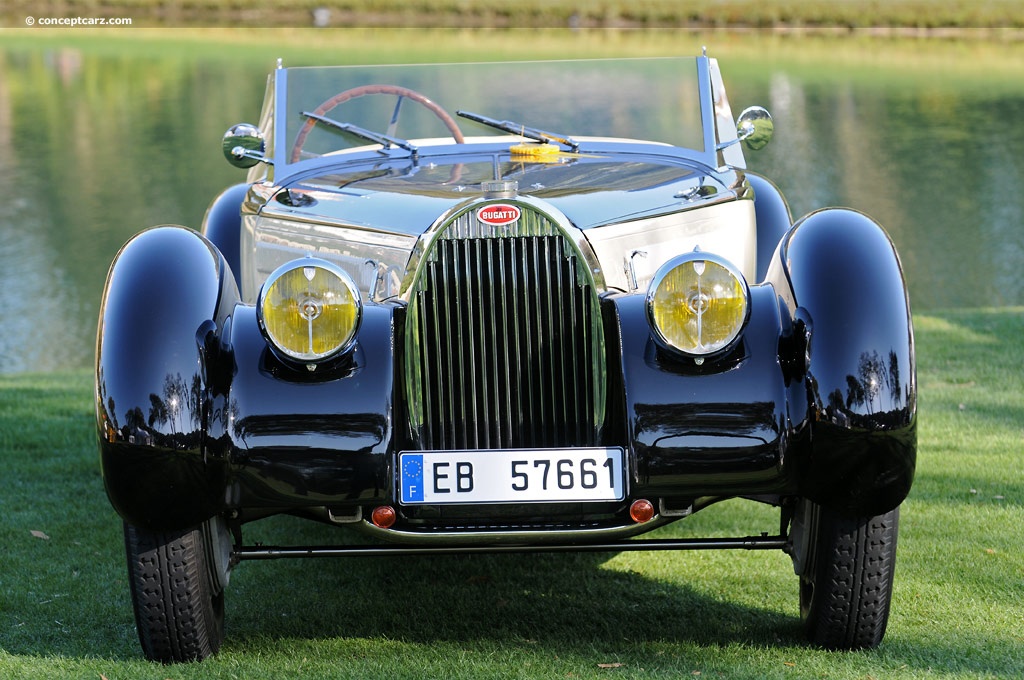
(504, 348)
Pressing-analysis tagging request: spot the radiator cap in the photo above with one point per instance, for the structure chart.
(500, 188)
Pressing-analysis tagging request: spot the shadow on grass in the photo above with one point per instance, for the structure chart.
(68, 596)
(568, 605)
(565, 605)
(567, 601)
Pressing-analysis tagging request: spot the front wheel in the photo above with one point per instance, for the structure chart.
(846, 569)
(177, 581)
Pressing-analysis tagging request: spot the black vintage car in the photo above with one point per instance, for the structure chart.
(497, 307)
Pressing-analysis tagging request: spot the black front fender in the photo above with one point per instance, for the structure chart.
(773, 220)
(167, 296)
(222, 226)
(295, 438)
(717, 429)
(839, 271)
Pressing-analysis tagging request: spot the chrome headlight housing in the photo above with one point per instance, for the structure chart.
(309, 310)
(698, 304)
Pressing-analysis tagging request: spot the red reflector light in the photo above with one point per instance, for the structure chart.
(383, 516)
(641, 511)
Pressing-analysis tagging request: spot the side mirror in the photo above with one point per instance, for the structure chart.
(754, 127)
(244, 146)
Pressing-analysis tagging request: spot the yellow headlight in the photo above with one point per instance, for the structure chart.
(697, 304)
(309, 310)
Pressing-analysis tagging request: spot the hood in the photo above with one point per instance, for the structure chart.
(408, 199)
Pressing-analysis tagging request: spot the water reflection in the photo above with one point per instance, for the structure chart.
(935, 163)
(46, 317)
(97, 145)
(94, 148)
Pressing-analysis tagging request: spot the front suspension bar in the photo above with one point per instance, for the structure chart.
(260, 552)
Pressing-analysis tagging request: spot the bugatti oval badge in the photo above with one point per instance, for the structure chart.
(498, 214)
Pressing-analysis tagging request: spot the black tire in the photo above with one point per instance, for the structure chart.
(847, 575)
(178, 601)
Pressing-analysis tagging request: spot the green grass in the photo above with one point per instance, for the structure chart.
(846, 14)
(958, 608)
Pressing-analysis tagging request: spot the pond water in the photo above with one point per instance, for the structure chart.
(98, 142)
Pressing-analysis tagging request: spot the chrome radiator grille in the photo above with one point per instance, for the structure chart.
(504, 342)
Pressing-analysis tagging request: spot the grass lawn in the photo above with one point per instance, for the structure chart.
(958, 608)
(910, 14)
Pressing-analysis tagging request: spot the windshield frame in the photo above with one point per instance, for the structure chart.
(718, 132)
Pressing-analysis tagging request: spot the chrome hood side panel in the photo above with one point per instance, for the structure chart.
(630, 253)
(375, 259)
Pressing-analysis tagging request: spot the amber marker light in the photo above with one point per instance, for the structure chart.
(642, 510)
(383, 516)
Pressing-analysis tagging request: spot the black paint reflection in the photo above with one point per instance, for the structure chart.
(154, 466)
(876, 398)
(171, 419)
(723, 444)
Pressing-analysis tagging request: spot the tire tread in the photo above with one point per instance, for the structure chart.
(852, 573)
(178, 617)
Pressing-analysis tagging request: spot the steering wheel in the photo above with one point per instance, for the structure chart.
(362, 91)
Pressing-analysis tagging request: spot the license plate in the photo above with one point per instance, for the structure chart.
(511, 476)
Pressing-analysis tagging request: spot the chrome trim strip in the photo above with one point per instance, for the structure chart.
(707, 106)
(500, 537)
(279, 152)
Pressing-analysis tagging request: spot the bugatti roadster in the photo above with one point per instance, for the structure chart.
(504, 307)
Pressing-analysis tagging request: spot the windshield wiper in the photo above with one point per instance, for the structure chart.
(387, 141)
(521, 130)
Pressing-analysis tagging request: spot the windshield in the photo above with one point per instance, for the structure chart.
(336, 108)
